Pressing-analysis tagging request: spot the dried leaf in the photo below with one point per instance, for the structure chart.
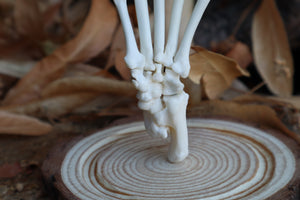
(93, 38)
(271, 48)
(241, 54)
(294, 100)
(22, 125)
(89, 84)
(194, 90)
(118, 44)
(74, 13)
(109, 105)
(121, 66)
(117, 54)
(15, 68)
(28, 19)
(52, 107)
(261, 115)
(214, 71)
(81, 69)
(10, 170)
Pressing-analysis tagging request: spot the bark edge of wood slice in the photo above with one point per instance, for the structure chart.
(228, 160)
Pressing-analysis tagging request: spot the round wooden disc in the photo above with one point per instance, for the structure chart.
(226, 160)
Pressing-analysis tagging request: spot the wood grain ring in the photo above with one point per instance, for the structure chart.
(227, 160)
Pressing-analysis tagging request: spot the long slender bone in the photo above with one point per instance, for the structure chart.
(134, 59)
(141, 7)
(172, 42)
(159, 36)
(159, 27)
(181, 61)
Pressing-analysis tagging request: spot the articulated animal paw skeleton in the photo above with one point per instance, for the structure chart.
(156, 71)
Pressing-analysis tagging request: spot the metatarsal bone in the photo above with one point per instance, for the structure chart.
(134, 59)
(181, 61)
(172, 41)
(141, 7)
(159, 28)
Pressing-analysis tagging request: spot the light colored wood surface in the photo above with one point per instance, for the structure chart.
(227, 160)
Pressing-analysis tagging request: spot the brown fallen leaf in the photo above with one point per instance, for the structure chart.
(118, 44)
(117, 54)
(15, 68)
(261, 115)
(22, 125)
(29, 19)
(93, 38)
(109, 105)
(213, 71)
(10, 170)
(121, 66)
(241, 54)
(272, 53)
(93, 84)
(294, 100)
(81, 69)
(194, 90)
(52, 107)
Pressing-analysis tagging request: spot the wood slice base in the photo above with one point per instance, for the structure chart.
(227, 160)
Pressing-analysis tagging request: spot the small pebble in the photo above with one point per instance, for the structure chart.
(19, 187)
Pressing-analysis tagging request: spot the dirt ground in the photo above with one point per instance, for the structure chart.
(25, 156)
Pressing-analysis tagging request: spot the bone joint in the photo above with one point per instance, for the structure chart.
(156, 70)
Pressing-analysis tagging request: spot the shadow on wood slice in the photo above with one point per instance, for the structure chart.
(227, 160)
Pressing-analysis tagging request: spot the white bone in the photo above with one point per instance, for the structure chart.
(172, 42)
(159, 28)
(154, 90)
(141, 7)
(134, 59)
(158, 76)
(174, 116)
(152, 126)
(181, 61)
(139, 80)
(172, 83)
(161, 94)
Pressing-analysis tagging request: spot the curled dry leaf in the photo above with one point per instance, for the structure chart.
(15, 68)
(118, 44)
(121, 66)
(22, 125)
(93, 38)
(29, 19)
(294, 100)
(52, 107)
(272, 53)
(93, 84)
(241, 54)
(194, 91)
(213, 71)
(117, 54)
(261, 115)
(81, 69)
(109, 105)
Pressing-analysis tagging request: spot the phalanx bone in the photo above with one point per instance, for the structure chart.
(156, 69)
